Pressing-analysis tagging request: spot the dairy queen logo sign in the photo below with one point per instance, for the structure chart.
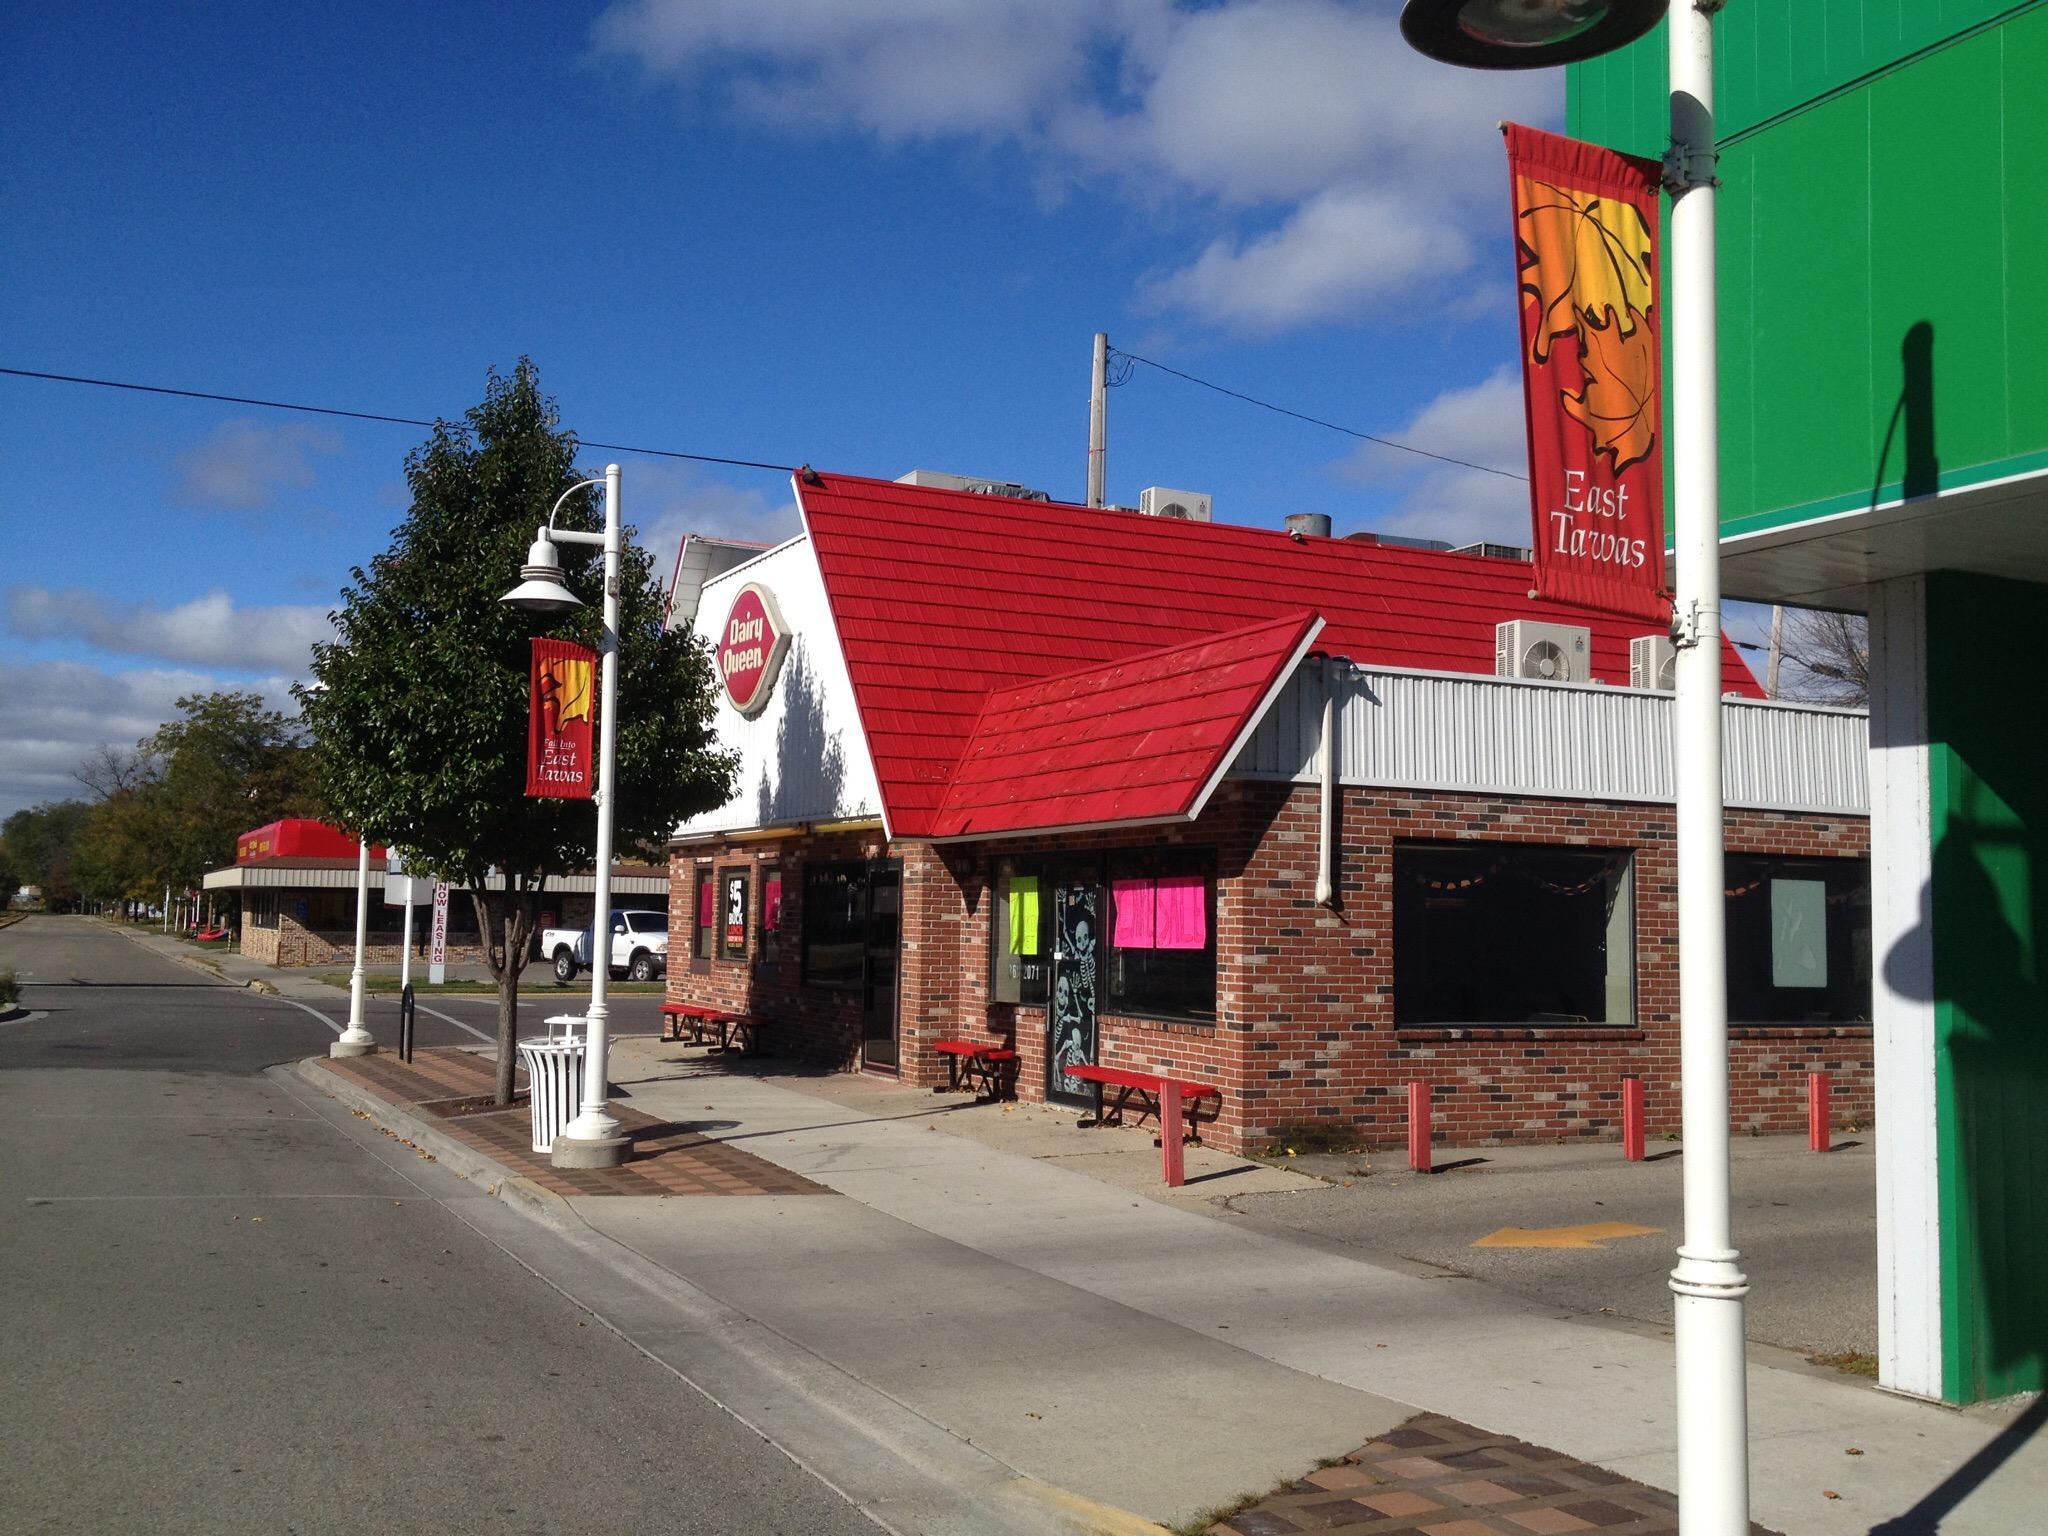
(751, 647)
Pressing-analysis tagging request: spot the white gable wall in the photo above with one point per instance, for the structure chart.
(803, 757)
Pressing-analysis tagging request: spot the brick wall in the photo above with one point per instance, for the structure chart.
(291, 943)
(1304, 1032)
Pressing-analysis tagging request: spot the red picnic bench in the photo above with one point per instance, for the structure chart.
(209, 935)
(728, 1027)
(1158, 1096)
(969, 1062)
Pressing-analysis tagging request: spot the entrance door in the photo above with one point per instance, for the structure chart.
(1070, 1020)
(878, 973)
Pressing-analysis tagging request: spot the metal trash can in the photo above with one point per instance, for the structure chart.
(554, 1079)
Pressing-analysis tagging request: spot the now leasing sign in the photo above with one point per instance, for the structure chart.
(751, 647)
(1586, 244)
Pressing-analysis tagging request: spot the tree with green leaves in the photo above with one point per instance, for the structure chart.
(42, 845)
(419, 715)
(171, 809)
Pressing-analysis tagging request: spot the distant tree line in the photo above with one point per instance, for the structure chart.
(166, 811)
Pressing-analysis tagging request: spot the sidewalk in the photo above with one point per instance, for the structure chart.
(1142, 1353)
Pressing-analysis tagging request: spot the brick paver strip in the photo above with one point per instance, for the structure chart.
(668, 1159)
(1434, 1476)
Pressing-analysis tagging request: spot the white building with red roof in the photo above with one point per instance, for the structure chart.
(1302, 818)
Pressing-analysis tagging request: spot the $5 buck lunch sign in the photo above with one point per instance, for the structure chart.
(1589, 272)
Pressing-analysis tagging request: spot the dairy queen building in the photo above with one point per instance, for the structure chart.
(1306, 818)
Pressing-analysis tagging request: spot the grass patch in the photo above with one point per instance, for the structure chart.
(1215, 1515)
(1329, 1136)
(1850, 1363)
(387, 986)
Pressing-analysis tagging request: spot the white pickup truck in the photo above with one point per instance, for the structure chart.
(639, 946)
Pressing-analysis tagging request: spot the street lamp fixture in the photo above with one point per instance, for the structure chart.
(1524, 34)
(594, 1138)
(1707, 1284)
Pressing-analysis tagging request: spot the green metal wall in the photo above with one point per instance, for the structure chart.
(1989, 802)
(1883, 243)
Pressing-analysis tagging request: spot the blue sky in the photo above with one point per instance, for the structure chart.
(872, 236)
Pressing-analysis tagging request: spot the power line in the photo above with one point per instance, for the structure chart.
(396, 421)
(1317, 421)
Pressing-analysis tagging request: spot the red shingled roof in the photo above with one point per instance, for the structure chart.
(1143, 739)
(942, 597)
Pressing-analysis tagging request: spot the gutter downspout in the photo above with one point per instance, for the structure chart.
(1326, 845)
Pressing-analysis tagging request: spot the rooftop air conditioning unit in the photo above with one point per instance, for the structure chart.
(1550, 653)
(1652, 662)
(1188, 506)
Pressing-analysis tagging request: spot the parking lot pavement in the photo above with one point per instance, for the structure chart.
(1806, 1223)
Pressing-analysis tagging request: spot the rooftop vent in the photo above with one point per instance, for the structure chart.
(1399, 541)
(1497, 551)
(1187, 506)
(1309, 525)
(974, 485)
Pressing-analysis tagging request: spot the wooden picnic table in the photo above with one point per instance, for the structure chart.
(726, 1025)
(1159, 1096)
(985, 1062)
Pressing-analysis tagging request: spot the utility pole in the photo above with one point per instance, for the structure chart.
(1777, 650)
(1098, 418)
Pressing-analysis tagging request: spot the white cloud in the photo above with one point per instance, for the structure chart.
(1382, 164)
(667, 499)
(208, 631)
(242, 465)
(1340, 253)
(1480, 423)
(53, 713)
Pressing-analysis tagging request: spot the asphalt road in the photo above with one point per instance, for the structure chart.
(229, 1312)
(1806, 1224)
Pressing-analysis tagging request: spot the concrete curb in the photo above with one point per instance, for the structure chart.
(974, 1493)
(458, 1156)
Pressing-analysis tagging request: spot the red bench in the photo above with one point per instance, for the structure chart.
(728, 1027)
(1160, 1097)
(968, 1062)
(209, 935)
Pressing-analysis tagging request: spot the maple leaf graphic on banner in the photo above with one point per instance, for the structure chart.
(572, 679)
(1584, 258)
(1619, 403)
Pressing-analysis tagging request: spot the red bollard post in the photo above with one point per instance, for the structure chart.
(1819, 1123)
(1420, 1158)
(1172, 1163)
(1632, 1119)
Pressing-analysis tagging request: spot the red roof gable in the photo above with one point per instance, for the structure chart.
(1143, 739)
(941, 597)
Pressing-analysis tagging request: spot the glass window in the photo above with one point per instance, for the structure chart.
(1162, 933)
(834, 924)
(1798, 940)
(771, 913)
(706, 928)
(1020, 941)
(1502, 933)
(732, 933)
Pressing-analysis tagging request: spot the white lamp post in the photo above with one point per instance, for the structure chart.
(594, 1139)
(356, 1040)
(1708, 1283)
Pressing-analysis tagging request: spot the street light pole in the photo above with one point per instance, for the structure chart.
(1708, 1284)
(356, 1040)
(595, 1139)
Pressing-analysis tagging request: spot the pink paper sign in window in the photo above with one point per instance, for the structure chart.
(1181, 912)
(1167, 913)
(1131, 909)
(707, 903)
(771, 903)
